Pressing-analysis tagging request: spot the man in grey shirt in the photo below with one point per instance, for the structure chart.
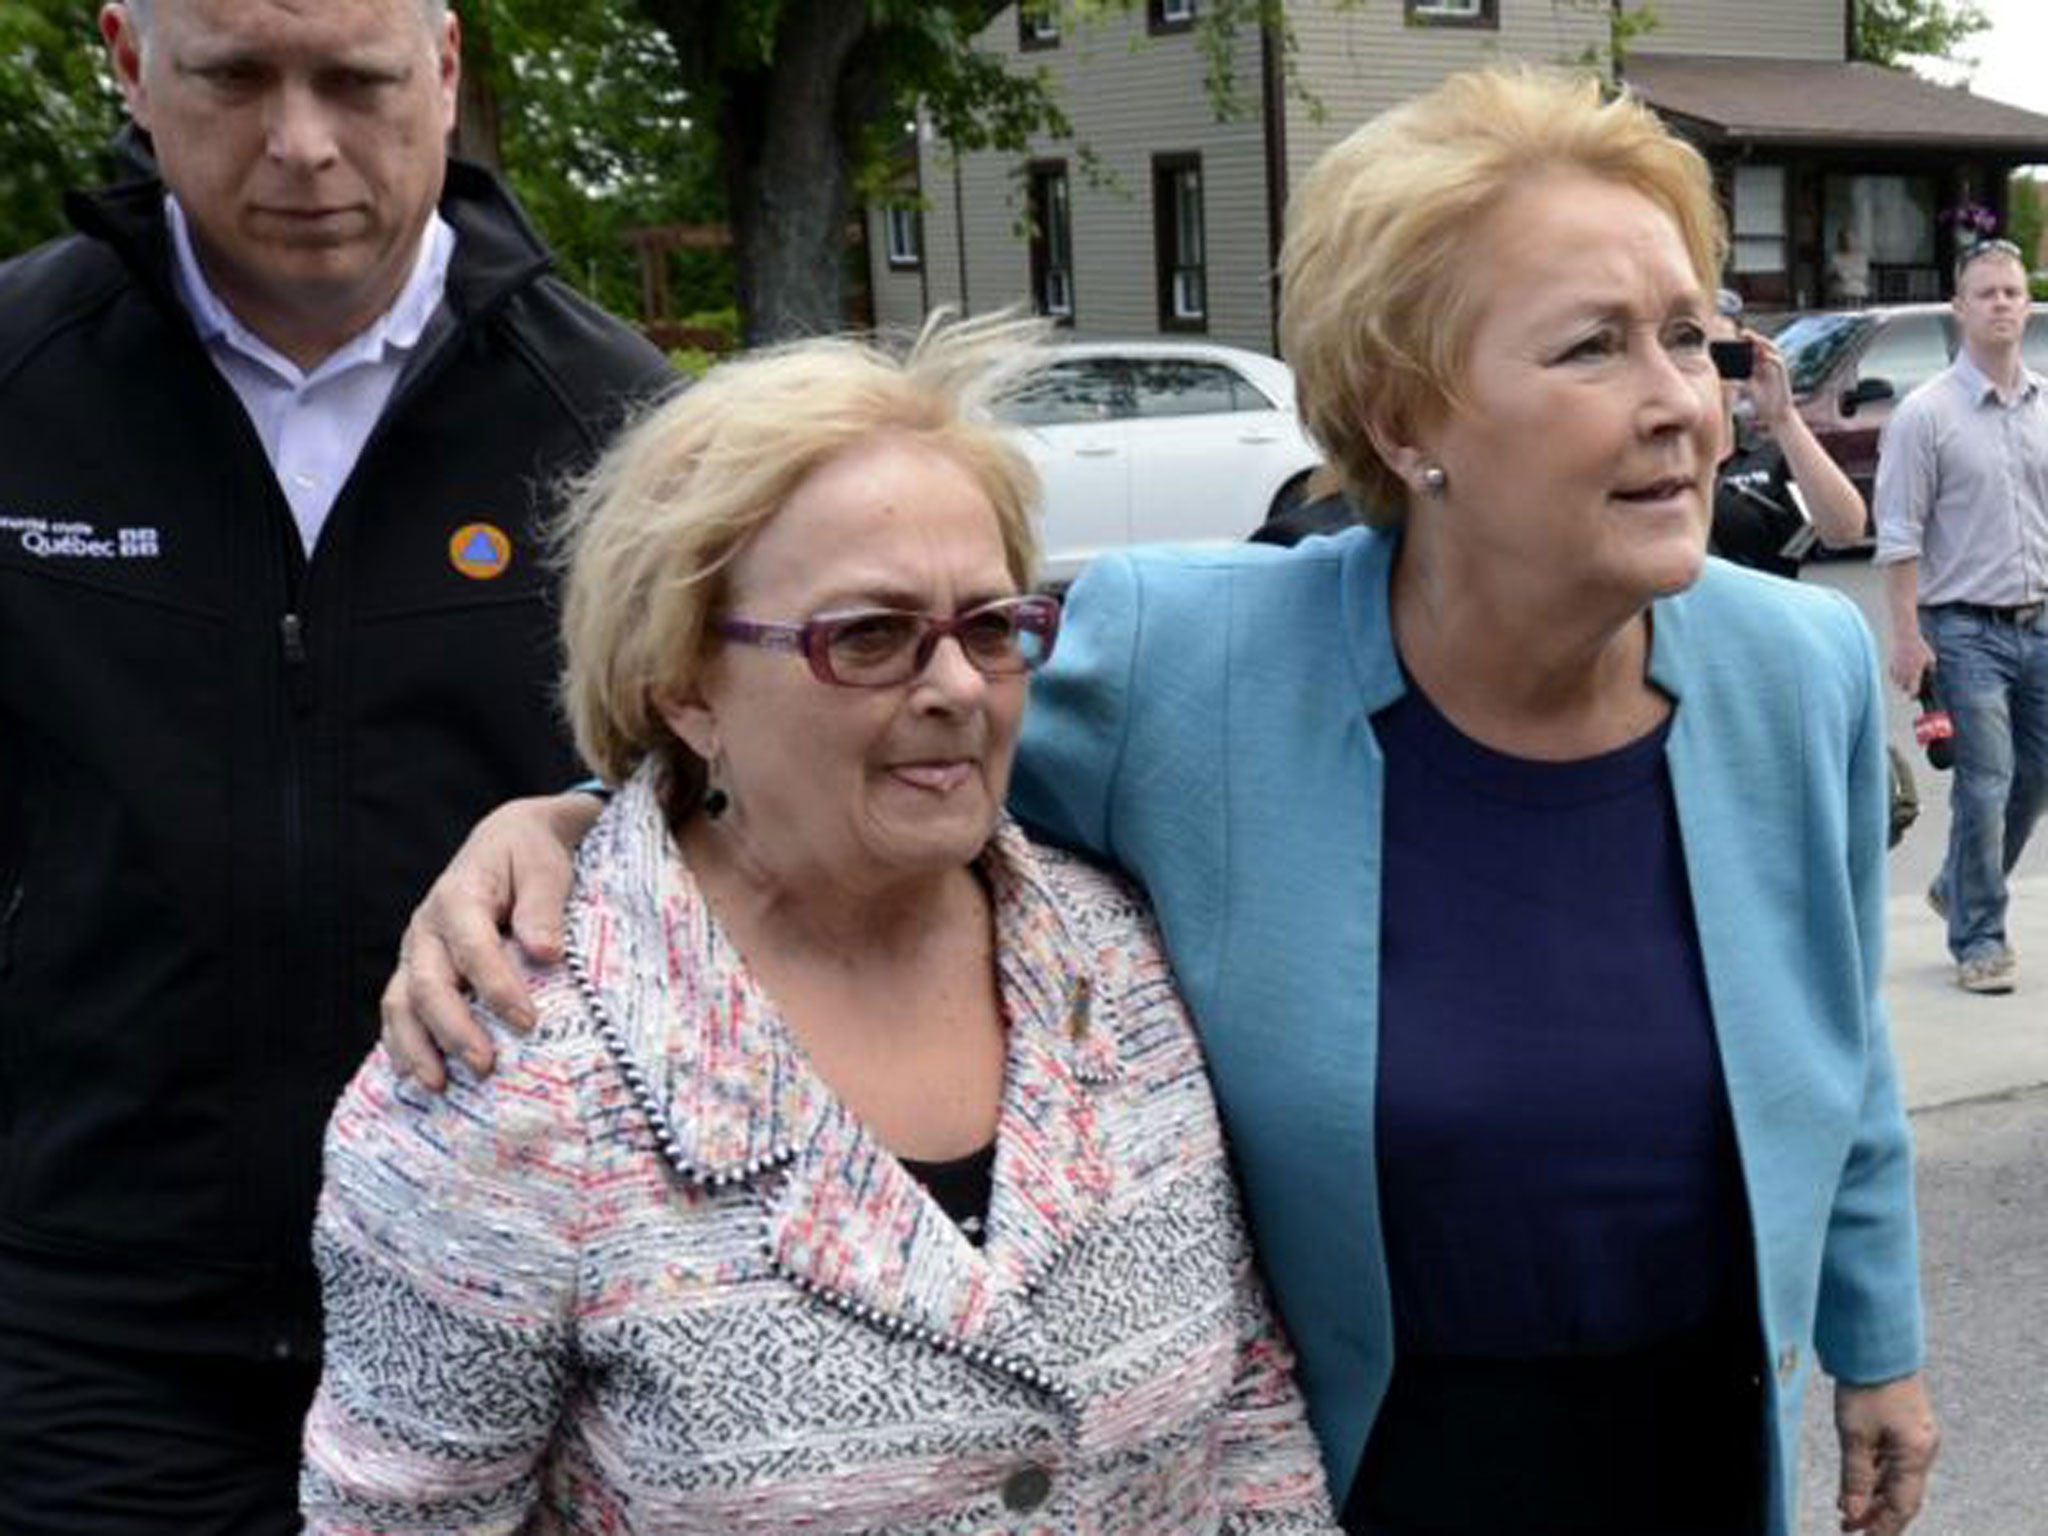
(1962, 532)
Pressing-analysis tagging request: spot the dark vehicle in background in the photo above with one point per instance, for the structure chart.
(1850, 367)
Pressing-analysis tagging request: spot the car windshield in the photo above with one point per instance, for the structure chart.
(1813, 343)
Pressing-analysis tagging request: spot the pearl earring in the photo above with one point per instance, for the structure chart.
(1434, 480)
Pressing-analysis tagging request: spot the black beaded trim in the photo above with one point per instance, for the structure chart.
(899, 1328)
(643, 1095)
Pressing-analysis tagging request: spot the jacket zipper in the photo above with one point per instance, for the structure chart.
(298, 683)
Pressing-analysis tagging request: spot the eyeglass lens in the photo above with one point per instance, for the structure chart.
(889, 647)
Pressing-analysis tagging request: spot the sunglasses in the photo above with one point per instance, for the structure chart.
(1989, 247)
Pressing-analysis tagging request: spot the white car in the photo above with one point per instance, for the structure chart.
(1145, 442)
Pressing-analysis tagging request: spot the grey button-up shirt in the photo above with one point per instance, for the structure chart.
(1962, 486)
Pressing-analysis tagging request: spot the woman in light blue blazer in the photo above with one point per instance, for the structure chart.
(1523, 867)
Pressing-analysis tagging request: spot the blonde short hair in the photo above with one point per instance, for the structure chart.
(651, 531)
(1378, 296)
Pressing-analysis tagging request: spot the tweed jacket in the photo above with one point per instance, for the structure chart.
(651, 1276)
(1206, 724)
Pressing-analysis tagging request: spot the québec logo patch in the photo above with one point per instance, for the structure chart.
(47, 538)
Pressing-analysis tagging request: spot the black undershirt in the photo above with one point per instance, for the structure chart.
(961, 1185)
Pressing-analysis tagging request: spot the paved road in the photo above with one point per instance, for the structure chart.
(1984, 1223)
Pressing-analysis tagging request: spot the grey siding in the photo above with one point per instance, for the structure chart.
(1129, 96)
(1753, 29)
(898, 293)
(1362, 59)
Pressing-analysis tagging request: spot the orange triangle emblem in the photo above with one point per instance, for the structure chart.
(480, 551)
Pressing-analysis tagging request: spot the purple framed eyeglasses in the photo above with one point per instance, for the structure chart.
(881, 647)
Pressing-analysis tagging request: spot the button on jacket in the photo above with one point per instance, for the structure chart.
(226, 770)
(651, 1275)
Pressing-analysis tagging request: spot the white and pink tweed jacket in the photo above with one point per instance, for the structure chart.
(651, 1276)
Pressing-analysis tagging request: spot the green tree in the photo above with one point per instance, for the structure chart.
(57, 112)
(2025, 217)
(584, 110)
(1892, 31)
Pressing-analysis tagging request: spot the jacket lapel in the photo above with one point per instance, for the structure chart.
(734, 1102)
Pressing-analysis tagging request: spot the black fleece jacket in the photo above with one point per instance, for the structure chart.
(227, 770)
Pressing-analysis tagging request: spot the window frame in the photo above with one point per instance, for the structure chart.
(1757, 222)
(1483, 14)
(1051, 238)
(907, 256)
(1038, 25)
(1158, 23)
(1169, 226)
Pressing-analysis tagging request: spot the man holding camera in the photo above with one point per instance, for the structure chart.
(1962, 532)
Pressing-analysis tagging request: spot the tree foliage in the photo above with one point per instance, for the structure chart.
(1895, 31)
(2025, 216)
(58, 109)
(598, 135)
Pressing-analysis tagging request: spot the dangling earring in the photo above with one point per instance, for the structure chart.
(1434, 481)
(716, 801)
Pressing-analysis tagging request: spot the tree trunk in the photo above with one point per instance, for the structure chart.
(787, 177)
(477, 128)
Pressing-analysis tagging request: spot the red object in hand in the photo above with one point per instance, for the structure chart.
(1933, 729)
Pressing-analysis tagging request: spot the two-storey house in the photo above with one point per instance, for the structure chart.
(1158, 218)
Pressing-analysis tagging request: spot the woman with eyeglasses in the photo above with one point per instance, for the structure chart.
(860, 1173)
(1523, 868)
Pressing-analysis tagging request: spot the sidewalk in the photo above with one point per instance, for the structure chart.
(1951, 1045)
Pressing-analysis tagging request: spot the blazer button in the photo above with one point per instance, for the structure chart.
(1025, 1489)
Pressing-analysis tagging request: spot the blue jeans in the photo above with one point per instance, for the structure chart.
(1992, 678)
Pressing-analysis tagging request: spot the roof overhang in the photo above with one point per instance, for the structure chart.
(1821, 104)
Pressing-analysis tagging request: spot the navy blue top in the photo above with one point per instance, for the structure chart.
(1557, 1164)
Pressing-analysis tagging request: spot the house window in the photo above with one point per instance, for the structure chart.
(1179, 244)
(1052, 241)
(1169, 15)
(906, 237)
(1454, 13)
(1891, 221)
(1038, 24)
(1759, 223)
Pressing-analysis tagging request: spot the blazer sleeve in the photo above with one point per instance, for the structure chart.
(1867, 1325)
(1064, 785)
(445, 1244)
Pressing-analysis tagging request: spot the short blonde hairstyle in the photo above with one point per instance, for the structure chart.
(1378, 297)
(650, 533)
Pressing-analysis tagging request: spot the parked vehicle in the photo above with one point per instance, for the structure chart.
(1850, 367)
(1158, 442)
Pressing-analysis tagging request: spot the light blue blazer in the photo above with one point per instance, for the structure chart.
(1205, 724)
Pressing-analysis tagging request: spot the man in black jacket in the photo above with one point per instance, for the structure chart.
(278, 440)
